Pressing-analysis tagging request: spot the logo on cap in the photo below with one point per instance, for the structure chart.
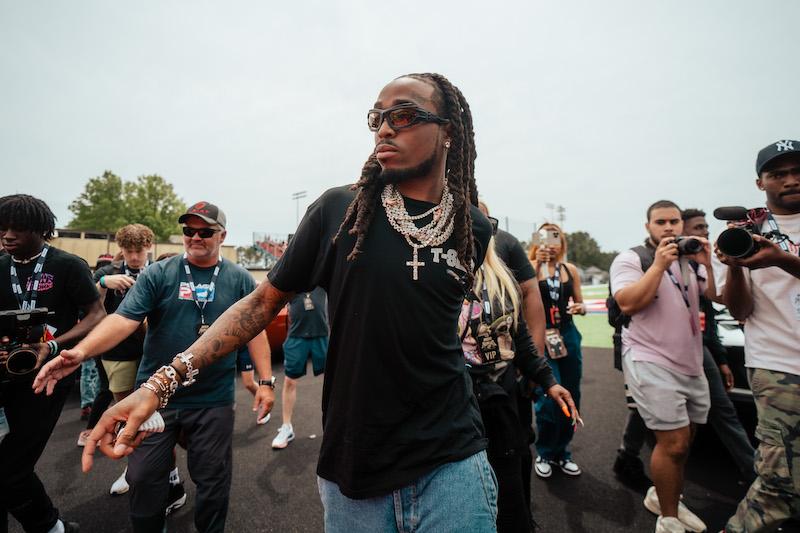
(199, 207)
(784, 146)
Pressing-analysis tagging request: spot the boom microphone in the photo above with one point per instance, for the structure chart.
(731, 213)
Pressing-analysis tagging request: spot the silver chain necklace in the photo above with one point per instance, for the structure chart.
(434, 233)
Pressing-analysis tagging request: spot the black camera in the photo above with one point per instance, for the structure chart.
(737, 241)
(688, 245)
(22, 328)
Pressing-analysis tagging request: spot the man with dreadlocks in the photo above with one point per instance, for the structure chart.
(403, 443)
(35, 275)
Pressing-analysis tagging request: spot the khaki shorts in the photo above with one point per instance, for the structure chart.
(121, 375)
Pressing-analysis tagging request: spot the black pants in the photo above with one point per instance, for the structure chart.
(209, 436)
(507, 451)
(31, 418)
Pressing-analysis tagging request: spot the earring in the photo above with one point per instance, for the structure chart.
(447, 144)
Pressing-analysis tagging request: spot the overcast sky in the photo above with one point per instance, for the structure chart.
(602, 107)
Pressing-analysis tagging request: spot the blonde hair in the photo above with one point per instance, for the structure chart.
(535, 247)
(500, 284)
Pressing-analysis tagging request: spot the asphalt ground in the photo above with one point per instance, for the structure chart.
(275, 490)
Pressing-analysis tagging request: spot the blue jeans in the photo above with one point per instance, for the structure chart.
(554, 430)
(460, 496)
(90, 382)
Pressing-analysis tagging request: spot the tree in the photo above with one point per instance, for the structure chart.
(108, 203)
(585, 252)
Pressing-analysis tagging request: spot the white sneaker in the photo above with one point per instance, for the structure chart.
(263, 420)
(542, 468)
(120, 486)
(689, 520)
(669, 524)
(285, 436)
(570, 468)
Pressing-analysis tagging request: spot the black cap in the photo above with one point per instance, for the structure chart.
(775, 150)
(207, 211)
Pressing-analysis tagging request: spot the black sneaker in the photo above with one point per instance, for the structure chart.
(630, 470)
(177, 498)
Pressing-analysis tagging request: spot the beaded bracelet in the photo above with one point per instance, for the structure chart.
(163, 384)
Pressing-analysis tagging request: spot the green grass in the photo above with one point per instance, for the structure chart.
(595, 330)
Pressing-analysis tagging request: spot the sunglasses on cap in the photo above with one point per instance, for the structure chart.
(205, 233)
(401, 116)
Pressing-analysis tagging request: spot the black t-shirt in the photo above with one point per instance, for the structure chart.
(565, 292)
(64, 287)
(397, 400)
(513, 255)
(309, 322)
(132, 347)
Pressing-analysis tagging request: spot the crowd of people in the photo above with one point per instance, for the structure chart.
(439, 337)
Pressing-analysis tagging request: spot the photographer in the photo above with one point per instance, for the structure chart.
(36, 275)
(763, 289)
(662, 356)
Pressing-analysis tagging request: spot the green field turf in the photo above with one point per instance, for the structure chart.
(595, 330)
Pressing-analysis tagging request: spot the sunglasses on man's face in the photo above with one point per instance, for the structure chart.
(401, 116)
(205, 233)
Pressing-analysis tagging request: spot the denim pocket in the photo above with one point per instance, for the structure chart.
(488, 481)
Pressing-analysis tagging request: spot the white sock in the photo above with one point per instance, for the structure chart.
(58, 528)
(174, 478)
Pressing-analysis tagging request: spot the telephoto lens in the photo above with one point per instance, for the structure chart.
(736, 242)
(688, 245)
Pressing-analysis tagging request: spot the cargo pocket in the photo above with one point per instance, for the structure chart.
(772, 465)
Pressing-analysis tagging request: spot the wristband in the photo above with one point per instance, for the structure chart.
(103, 282)
(191, 372)
(53, 345)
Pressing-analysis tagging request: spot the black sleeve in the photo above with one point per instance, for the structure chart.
(481, 233)
(80, 287)
(103, 271)
(532, 365)
(304, 263)
(515, 257)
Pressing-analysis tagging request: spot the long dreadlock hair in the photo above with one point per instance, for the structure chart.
(25, 212)
(460, 169)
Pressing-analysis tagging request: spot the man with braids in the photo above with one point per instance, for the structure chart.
(36, 275)
(403, 444)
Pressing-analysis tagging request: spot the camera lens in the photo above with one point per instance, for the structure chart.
(689, 246)
(736, 242)
(21, 361)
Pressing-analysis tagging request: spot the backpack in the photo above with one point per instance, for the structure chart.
(616, 318)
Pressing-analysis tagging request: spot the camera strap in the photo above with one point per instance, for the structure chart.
(784, 242)
(193, 288)
(27, 300)
(684, 290)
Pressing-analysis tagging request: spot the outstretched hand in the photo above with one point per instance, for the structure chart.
(563, 398)
(263, 401)
(61, 366)
(133, 410)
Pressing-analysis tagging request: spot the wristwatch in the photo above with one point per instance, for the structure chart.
(268, 382)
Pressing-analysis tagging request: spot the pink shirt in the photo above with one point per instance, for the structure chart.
(663, 332)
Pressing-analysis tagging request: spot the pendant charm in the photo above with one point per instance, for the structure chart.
(415, 263)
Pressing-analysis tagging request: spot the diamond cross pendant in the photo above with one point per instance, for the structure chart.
(415, 263)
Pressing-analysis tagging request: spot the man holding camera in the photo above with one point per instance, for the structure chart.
(34, 275)
(181, 297)
(763, 289)
(662, 354)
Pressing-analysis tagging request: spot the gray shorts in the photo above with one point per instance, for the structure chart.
(666, 399)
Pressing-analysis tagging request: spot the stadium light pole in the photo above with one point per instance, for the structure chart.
(296, 196)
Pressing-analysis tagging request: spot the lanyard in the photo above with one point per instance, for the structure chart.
(684, 289)
(554, 285)
(785, 242)
(194, 289)
(27, 300)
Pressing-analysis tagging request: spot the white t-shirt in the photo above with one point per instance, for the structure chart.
(772, 331)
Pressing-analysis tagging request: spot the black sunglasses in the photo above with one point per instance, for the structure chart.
(401, 116)
(205, 233)
(495, 224)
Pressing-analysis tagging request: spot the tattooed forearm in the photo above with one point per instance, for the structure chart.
(243, 321)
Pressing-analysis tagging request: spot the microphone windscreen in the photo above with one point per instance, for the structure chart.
(730, 213)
